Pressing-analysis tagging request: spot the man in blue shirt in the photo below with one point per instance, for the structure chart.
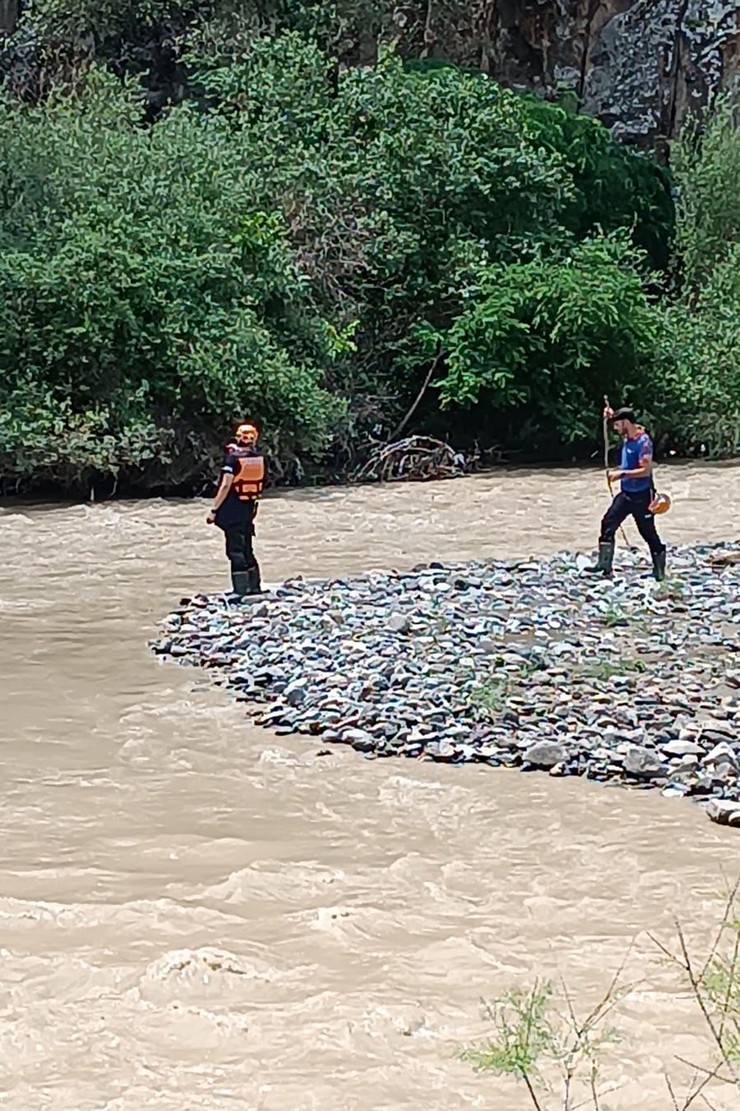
(637, 490)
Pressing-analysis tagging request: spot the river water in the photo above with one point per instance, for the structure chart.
(195, 914)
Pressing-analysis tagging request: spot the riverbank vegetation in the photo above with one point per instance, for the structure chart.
(205, 215)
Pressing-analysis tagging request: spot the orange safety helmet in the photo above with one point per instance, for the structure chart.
(661, 503)
(248, 430)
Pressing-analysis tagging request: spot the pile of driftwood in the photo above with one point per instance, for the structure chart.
(413, 459)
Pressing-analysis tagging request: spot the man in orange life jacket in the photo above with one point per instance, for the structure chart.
(235, 506)
(635, 497)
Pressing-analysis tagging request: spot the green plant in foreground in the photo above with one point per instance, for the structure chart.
(537, 1037)
(715, 986)
(532, 1036)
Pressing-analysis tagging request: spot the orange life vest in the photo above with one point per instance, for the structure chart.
(250, 478)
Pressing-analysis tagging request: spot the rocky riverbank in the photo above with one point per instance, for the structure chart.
(513, 664)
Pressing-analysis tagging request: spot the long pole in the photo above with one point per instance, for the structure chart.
(606, 465)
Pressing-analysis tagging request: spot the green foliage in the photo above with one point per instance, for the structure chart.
(614, 186)
(706, 163)
(604, 670)
(145, 293)
(697, 386)
(73, 19)
(552, 334)
(432, 211)
(488, 698)
(525, 1034)
(700, 371)
(303, 241)
(536, 1036)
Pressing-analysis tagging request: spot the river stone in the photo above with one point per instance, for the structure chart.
(360, 739)
(545, 754)
(684, 764)
(724, 812)
(295, 693)
(721, 753)
(441, 750)
(642, 763)
(675, 790)
(682, 748)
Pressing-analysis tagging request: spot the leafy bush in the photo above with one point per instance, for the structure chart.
(313, 246)
(697, 377)
(552, 335)
(706, 163)
(412, 189)
(145, 294)
(561, 1058)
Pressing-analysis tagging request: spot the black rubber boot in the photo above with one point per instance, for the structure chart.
(240, 583)
(603, 565)
(255, 580)
(658, 565)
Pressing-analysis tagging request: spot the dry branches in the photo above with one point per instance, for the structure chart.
(414, 459)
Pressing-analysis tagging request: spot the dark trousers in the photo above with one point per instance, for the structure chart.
(239, 549)
(636, 506)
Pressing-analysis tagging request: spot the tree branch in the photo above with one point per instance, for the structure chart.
(417, 400)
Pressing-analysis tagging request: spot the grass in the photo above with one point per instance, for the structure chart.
(615, 616)
(671, 590)
(488, 698)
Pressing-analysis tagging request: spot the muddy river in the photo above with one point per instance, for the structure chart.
(196, 914)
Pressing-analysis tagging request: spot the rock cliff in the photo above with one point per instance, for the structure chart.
(639, 65)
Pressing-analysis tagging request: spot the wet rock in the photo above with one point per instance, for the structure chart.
(641, 763)
(545, 754)
(724, 812)
(682, 748)
(360, 740)
(675, 790)
(442, 750)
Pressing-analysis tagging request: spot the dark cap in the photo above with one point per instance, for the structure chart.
(624, 414)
